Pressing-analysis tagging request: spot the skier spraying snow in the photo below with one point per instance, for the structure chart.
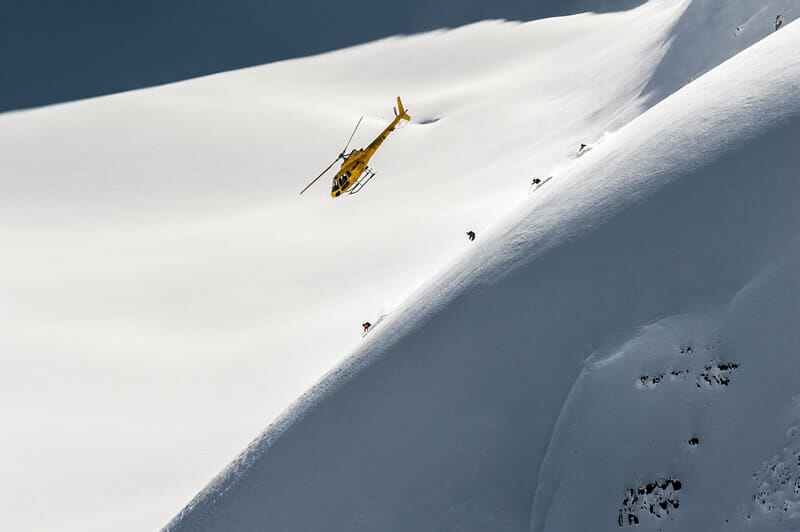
(536, 183)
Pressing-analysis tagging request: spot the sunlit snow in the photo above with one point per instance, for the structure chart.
(168, 293)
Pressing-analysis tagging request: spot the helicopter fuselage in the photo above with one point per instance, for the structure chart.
(355, 162)
(350, 172)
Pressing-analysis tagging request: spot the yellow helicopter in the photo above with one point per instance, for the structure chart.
(355, 173)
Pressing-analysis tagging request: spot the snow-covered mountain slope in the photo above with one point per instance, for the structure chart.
(632, 327)
(709, 32)
(168, 293)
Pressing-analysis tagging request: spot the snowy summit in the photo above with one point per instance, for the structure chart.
(613, 346)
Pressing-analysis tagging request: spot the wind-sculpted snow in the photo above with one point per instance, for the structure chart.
(710, 32)
(503, 395)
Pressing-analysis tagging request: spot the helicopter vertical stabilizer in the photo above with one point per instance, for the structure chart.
(401, 110)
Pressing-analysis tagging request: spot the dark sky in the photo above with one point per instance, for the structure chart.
(59, 50)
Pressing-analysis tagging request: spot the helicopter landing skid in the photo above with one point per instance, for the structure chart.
(362, 181)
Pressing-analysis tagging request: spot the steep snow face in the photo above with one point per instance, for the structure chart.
(709, 32)
(620, 351)
(167, 292)
(702, 390)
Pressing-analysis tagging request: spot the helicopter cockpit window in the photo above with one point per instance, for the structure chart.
(335, 186)
(342, 180)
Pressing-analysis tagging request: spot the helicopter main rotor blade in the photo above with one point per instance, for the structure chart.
(320, 175)
(341, 156)
(352, 135)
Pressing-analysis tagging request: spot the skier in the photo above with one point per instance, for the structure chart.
(778, 23)
(581, 148)
(366, 326)
(536, 183)
(471, 235)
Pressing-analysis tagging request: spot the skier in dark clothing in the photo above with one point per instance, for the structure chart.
(471, 235)
(778, 23)
(535, 181)
(581, 148)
